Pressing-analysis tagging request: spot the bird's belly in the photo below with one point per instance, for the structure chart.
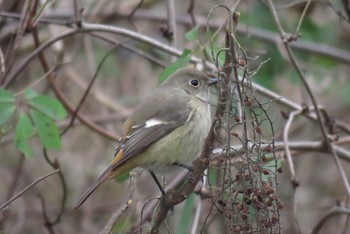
(182, 145)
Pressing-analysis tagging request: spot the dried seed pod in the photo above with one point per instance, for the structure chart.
(265, 172)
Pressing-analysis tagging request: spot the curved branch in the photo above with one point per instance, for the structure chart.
(87, 27)
(339, 210)
(20, 193)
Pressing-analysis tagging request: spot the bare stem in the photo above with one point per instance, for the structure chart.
(19, 194)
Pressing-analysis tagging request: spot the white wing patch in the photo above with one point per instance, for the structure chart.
(153, 122)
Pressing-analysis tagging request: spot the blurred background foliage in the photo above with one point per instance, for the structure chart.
(131, 72)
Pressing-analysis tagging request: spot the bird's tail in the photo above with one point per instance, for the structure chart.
(103, 177)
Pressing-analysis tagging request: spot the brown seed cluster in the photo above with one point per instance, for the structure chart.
(255, 208)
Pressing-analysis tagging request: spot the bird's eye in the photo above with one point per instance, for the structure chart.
(194, 83)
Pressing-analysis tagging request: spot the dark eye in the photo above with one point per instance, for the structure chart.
(194, 83)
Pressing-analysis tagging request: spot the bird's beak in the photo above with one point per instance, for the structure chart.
(213, 81)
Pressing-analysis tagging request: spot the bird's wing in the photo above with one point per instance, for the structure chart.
(143, 135)
(142, 132)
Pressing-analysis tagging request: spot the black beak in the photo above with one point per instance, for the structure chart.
(213, 81)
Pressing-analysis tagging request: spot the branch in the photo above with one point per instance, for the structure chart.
(286, 39)
(19, 194)
(201, 164)
(339, 210)
(243, 29)
(114, 218)
(87, 27)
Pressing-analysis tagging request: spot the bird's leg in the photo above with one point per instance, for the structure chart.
(157, 182)
(188, 167)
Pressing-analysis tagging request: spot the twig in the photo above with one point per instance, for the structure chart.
(248, 30)
(295, 64)
(201, 164)
(86, 121)
(171, 29)
(16, 175)
(286, 144)
(302, 17)
(86, 27)
(171, 18)
(47, 223)
(83, 98)
(147, 211)
(190, 10)
(54, 164)
(77, 14)
(254, 32)
(2, 65)
(114, 218)
(339, 210)
(302, 146)
(112, 40)
(135, 9)
(19, 194)
(24, 17)
(289, 156)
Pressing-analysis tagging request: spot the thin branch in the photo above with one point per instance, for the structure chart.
(149, 57)
(86, 27)
(171, 18)
(295, 64)
(24, 18)
(19, 194)
(244, 29)
(83, 98)
(286, 143)
(54, 164)
(247, 30)
(190, 11)
(147, 212)
(135, 9)
(200, 164)
(294, 182)
(302, 17)
(2, 65)
(339, 210)
(114, 218)
(77, 13)
(298, 146)
(47, 223)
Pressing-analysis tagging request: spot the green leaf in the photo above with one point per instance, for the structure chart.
(192, 35)
(47, 130)
(29, 94)
(48, 106)
(186, 219)
(6, 110)
(24, 130)
(171, 68)
(7, 105)
(6, 96)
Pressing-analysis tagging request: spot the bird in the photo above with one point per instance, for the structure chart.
(167, 129)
